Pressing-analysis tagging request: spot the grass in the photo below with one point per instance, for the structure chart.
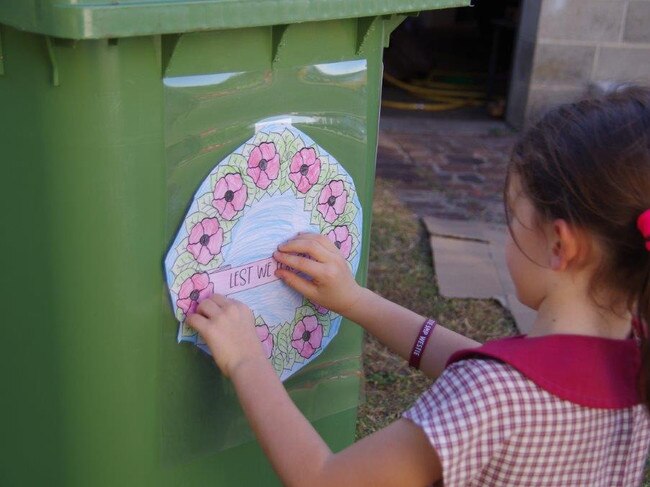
(401, 270)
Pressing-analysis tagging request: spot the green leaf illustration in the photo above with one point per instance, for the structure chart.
(251, 188)
(350, 212)
(214, 263)
(260, 137)
(182, 246)
(298, 359)
(295, 147)
(186, 330)
(322, 176)
(238, 161)
(290, 359)
(324, 158)
(246, 150)
(286, 185)
(332, 173)
(280, 145)
(178, 313)
(184, 261)
(311, 200)
(325, 321)
(282, 342)
(277, 360)
(259, 193)
(204, 204)
(354, 235)
(288, 138)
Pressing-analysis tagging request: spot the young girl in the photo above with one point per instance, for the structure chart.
(563, 406)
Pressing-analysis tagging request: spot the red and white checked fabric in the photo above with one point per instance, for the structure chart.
(491, 426)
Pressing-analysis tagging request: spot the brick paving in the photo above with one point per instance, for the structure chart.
(450, 169)
(455, 170)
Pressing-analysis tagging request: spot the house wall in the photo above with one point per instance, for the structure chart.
(566, 47)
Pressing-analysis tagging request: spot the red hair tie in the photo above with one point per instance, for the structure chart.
(639, 329)
(643, 224)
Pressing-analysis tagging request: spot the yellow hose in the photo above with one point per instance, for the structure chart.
(449, 72)
(426, 107)
(444, 96)
(427, 83)
(417, 90)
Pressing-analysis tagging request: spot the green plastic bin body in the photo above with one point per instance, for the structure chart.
(112, 114)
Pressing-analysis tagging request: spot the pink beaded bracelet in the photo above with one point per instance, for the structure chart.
(421, 342)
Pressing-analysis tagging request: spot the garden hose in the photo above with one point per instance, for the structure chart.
(438, 96)
(422, 106)
(429, 83)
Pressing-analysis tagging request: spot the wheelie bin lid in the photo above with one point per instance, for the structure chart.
(98, 19)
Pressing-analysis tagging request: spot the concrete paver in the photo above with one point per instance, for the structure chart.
(469, 259)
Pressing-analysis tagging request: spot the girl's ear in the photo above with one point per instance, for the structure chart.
(566, 244)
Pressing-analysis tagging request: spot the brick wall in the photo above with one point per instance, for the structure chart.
(565, 46)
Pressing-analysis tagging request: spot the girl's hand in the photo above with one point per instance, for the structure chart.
(228, 328)
(332, 285)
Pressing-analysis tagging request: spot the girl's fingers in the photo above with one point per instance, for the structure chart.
(303, 286)
(306, 245)
(219, 299)
(208, 308)
(197, 321)
(302, 264)
(311, 235)
(320, 239)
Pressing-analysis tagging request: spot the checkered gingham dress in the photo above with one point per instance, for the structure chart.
(491, 426)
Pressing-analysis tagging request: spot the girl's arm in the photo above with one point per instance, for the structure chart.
(333, 286)
(398, 328)
(397, 455)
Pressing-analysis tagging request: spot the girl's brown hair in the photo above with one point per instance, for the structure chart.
(589, 164)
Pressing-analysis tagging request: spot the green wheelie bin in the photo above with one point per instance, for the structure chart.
(112, 112)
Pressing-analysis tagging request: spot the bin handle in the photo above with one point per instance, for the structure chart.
(53, 62)
(2, 58)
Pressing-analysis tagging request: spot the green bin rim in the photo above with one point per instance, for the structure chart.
(100, 19)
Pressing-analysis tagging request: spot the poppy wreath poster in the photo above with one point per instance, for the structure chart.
(276, 184)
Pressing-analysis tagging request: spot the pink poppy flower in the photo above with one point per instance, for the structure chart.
(332, 200)
(206, 239)
(194, 290)
(304, 169)
(307, 336)
(263, 164)
(266, 338)
(341, 237)
(230, 195)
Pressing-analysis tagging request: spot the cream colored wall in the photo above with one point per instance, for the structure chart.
(567, 46)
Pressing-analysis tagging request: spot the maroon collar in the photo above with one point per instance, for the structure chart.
(589, 371)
